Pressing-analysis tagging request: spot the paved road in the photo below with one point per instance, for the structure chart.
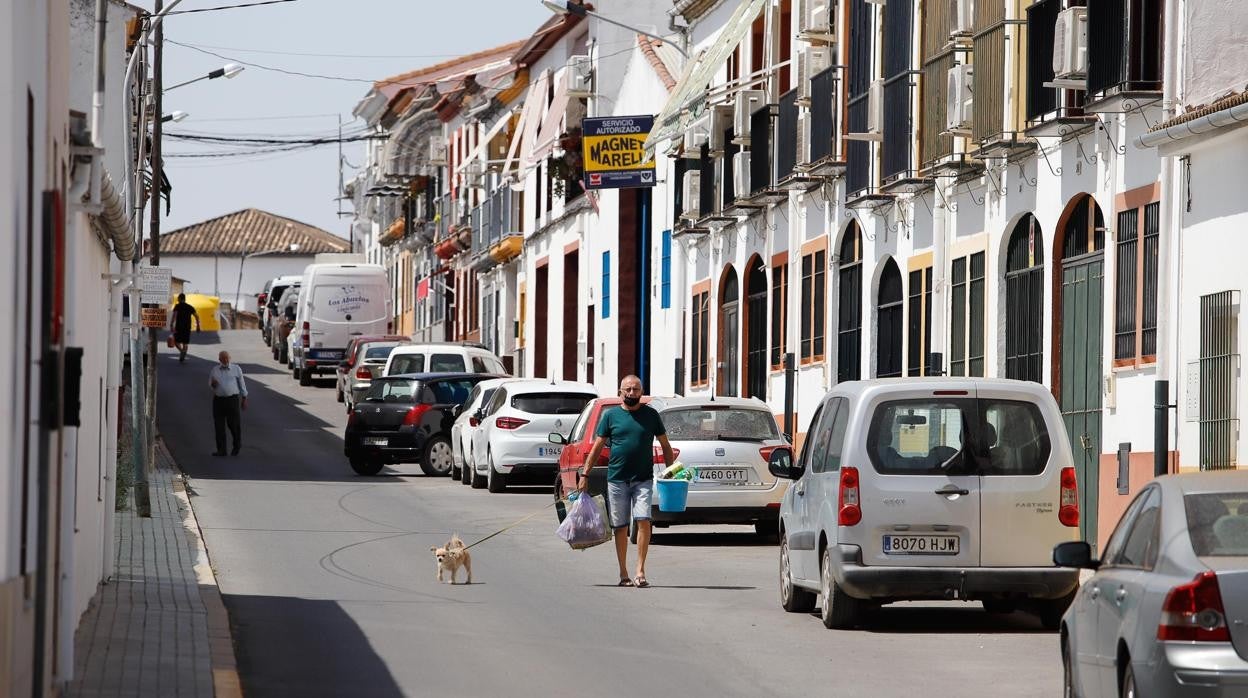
(330, 584)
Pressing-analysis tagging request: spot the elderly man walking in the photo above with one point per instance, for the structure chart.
(229, 398)
(630, 430)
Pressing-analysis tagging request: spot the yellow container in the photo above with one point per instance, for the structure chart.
(207, 307)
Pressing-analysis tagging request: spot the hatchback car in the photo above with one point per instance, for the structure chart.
(365, 357)
(405, 419)
(467, 420)
(1167, 608)
(443, 356)
(512, 444)
(929, 488)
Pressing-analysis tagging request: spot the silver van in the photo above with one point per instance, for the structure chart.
(929, 488)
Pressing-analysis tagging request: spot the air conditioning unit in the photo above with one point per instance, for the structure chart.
(817, 25)
(437, 150)
(580, 76)
(741, 174)
(803, 138)
(691, 193)
(720, 122)
(474, 173)
(959, 98)
(1070, 44)
(961, 18)
(745, 104)
(694, 138)
(875, 107)
(818, 60)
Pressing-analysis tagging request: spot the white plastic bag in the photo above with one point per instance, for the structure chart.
(586, 523)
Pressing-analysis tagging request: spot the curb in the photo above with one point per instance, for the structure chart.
(225, 679)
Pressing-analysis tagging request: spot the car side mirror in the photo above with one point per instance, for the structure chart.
(457, 410)
(781, 465)
(1077, 554)
(557, 438)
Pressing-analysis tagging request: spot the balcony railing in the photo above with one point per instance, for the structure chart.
(897, 154)
(786, 135)
(761, 152)
(727, 183)
(858, 153)
(706, 192)
(822, 115)
(991, 63)
(935, 144)
(1124, 47)
(1041, 19)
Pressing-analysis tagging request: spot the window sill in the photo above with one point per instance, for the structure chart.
(1138, 363)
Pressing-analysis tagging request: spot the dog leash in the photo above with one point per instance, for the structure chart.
(513, 524)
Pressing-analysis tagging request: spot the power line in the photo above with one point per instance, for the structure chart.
(324, 55)
(228, 7)
(283, 117)
(270, 68)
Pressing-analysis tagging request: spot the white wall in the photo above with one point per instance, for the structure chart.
(1215, 52)
(218, 276)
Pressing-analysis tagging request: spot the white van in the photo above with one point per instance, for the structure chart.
(443, 357)
(338, 301)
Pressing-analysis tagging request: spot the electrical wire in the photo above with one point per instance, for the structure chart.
(229, 7)
(270, 68)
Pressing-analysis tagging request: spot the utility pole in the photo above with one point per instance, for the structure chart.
(157, 179)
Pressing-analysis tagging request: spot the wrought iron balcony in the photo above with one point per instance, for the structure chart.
(1124, 52)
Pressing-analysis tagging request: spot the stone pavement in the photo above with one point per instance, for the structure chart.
(159, 628)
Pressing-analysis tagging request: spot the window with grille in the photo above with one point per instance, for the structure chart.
(1024, 297)
(889, 310)
(701, 329)
(920, 323)
(779, 314)
(814, 305)
(849, 307)
(1219, 373)
(1135, 292)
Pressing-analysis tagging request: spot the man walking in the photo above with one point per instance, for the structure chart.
(229, 397)
(180, 323)
(630, 430)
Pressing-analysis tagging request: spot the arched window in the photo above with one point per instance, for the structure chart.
(1024, 297)
(888, 356)
(756, 329)
(849, 307)
(729, 329)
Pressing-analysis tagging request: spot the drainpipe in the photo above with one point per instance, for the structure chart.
(936, 352)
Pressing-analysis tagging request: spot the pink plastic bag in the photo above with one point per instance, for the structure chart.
(586, 523)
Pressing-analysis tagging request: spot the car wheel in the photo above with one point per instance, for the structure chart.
(365, 467)
(437, 458)
(1068, 675)
(1128, 680)
(1050, 611)
(476, 480)
(768, 530)
(495, 481)
(837, 609)
(466, 474)
(456, 473)
(283, 356)
(793, 599)
(274, 352)
(305, 377)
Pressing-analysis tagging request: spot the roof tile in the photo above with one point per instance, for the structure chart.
(250, 230)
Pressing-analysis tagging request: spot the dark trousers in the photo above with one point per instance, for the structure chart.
(225, 413)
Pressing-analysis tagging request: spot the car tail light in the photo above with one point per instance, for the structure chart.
(413, 415)
(1193, 612)
(363, 373)
(1068, 503)
(658, 455)
(850, 511)
(510, 422)
(473, 421)
(261, 300)
(306, 335)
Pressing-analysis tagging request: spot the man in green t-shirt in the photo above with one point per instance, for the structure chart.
(630, 429)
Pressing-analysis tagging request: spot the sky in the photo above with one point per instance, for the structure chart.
(357, 41)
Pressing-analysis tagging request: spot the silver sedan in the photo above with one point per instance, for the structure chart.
(1167, 607)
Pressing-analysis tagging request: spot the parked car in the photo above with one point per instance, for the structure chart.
(443, 356)
(338, 301)
(576, 442)
(406, 419)
(929, 488)
(467, 419)
(365, 357)
(283, 323)
(1167, 607)
(512, 445)
(271, 303)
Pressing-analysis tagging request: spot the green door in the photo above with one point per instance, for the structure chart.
(1082, 308)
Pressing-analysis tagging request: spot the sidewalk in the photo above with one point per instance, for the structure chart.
(159, 628)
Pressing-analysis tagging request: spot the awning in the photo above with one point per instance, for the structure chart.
(393, 233)
(675, 116)
(552, 125)
(530, 117)
(484, 143)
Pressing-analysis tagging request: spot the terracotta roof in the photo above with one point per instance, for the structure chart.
(441, 71)
(648, 47)
(252, 230)
(1194, 113)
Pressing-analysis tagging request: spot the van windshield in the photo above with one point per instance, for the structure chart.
(345, 299)
(958, 437)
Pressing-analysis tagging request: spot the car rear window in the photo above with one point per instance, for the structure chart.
(376, 353)
(958, 436)
(447, 392)
(407, 363)
(551, 403)
(714, 423)
(446, 363)
(392, 391)
(1218, 523)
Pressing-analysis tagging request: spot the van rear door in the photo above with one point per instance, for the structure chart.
(1021, 463)
(919, 491)
(345, 306)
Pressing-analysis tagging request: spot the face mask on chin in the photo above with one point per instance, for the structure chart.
(632, 401)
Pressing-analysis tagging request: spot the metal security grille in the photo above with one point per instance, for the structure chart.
(1041, 20)
(898, 148)
(760, 149)
(849, 308)
(991, 63)
(1024, 296)
(1148, 322)
(822, 114)
(1124, 46)
(976, 361)
(920, 323)
(728, 184)
(889, 312)
(1125, 284)
(861, 52)
(957, 324)
(786, 135)
(706, 178)
(1219, 366)
(938, 59)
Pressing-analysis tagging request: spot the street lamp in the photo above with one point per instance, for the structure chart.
(226, 71)
(175, 116)
(573, 8)
(238, 289)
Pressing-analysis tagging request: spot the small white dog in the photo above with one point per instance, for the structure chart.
(451, 557)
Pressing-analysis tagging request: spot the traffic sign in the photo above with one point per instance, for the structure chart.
(154, 317)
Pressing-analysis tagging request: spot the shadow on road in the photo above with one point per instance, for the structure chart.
(300, 647)
(909, 618)
(710, 540)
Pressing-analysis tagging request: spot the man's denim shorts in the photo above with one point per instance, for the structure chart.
(623, 497)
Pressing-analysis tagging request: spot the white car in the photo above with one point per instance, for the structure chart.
(443, 357)
(929, 488)
(467, 420)
(729, 442)
(512, 444)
